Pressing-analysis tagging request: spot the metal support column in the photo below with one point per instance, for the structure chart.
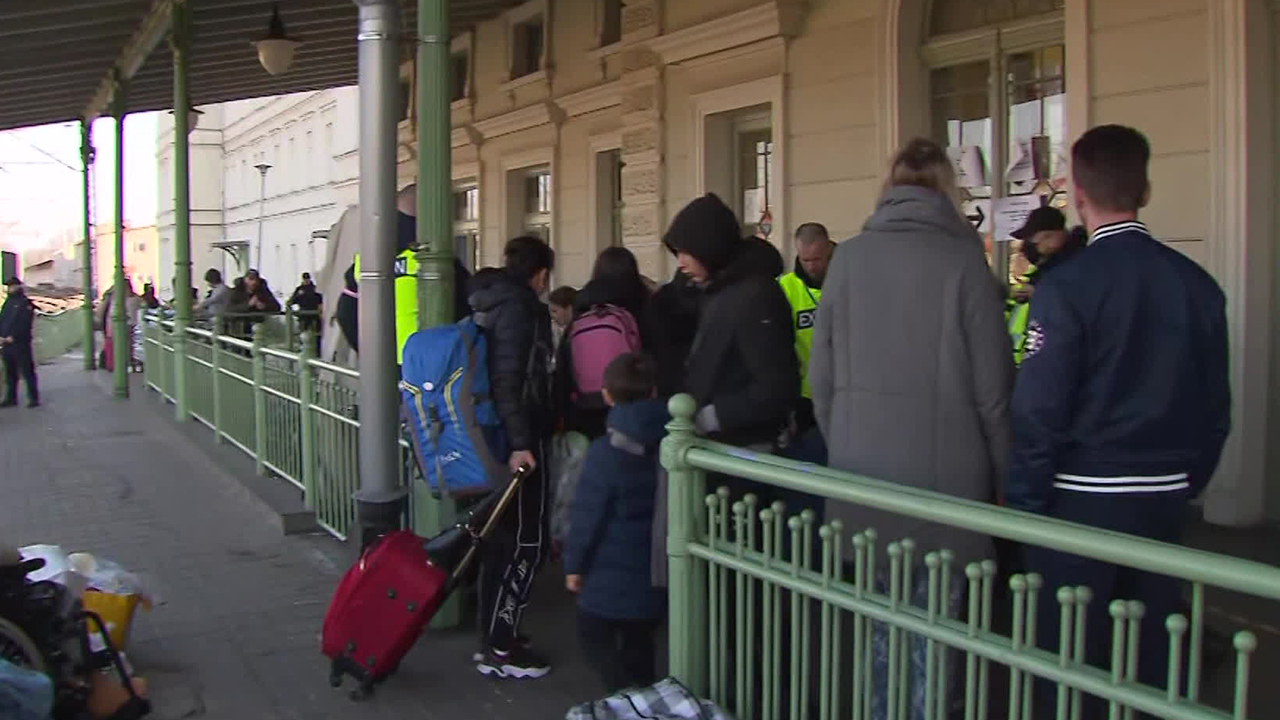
(122, 344)
(180, 41)
(434, 252)
(86, 260)
(380, 500)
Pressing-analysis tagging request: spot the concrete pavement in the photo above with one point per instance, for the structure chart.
(237, 635)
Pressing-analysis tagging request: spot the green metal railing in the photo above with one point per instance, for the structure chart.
(295, 416)
(750, 585)
(54, 334)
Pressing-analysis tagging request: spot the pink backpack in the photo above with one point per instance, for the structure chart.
(596, 337)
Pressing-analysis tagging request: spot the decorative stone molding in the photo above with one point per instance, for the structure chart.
(592, 99)
(540, 113)
(641, 20)
(642, 100)
(638, 58)
(465, 135)
(776, 18)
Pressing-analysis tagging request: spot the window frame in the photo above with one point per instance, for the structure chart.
(599, 220)
(994, 45)
(517, 17)
(468, 226)
(463, 44)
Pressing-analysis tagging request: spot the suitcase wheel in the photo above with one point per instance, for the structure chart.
(364, 692)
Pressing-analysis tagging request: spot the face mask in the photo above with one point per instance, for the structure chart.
(1031, 252)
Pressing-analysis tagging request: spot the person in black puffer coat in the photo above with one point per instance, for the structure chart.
(517, 328)
(741, 369)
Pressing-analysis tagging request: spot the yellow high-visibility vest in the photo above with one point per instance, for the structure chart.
(405, 284)
(1016, 314)
(804, 304)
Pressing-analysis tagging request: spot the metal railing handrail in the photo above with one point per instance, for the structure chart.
(1175, 560)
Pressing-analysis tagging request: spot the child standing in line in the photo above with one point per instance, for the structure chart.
(607, 555)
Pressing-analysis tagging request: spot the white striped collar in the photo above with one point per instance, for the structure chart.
(1117, 228)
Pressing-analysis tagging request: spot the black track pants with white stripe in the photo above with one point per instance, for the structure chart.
(512, 558)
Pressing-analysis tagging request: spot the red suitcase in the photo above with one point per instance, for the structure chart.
(386, 599)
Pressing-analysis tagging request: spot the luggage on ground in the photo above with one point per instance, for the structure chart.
(664, 700)
(451, 418)
(596, 337)
(386, 599)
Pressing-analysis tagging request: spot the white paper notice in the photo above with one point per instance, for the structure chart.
(1022, 166)
(1011, 213)
(967, 161)
(752, 205)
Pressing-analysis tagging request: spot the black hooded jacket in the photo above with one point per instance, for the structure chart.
(672, 319)
(742, 360)
(517, 329)
(17, 317)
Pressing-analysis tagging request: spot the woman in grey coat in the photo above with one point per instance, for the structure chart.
(912, 372)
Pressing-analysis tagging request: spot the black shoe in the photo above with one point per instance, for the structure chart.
(33, 404)
(518, 663)
(522, 641)
(9, 403)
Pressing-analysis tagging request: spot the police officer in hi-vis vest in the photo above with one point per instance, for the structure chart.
(803, 288)
(405, 280)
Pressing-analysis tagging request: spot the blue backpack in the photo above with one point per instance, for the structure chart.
(452, 421)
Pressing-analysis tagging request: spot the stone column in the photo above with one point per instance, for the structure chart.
(643, 191)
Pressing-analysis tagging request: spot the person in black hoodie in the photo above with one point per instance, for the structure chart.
(615, 280)
(672, 319)
(742, 368)
(17, 318)
(517, 328)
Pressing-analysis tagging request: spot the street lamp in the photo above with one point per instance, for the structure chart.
(275, 51)
(262, 201)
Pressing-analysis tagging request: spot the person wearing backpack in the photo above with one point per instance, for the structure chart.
(605, 325)
(517, 330)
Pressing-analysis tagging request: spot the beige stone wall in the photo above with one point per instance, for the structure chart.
(1150, 70)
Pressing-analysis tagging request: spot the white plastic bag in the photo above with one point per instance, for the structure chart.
(81, 571)
(57, 567)
(568, 453)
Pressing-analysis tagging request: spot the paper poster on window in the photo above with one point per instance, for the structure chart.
(1022, 166)
(1011, 213)
(752, 205)
(967, 161)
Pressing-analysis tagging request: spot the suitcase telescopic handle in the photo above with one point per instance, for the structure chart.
(494, 516)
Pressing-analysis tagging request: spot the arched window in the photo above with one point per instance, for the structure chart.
(997, 95)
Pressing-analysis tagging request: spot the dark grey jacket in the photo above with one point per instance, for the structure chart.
(911, 367)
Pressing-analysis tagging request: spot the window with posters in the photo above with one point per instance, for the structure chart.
(1019, 161)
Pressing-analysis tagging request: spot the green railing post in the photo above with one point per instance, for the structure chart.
(180, 41)
(121, 342)
(86, 261)
(306, 420)
(259, 400)
(215, 382)
(686, 600)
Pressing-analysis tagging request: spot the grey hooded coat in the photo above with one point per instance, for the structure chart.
(912, 367)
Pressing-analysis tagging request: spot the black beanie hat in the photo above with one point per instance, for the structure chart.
(706, 229)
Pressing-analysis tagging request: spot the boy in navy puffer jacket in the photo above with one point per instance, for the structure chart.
(607, 554)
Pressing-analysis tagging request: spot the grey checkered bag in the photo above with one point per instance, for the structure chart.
(665, 700)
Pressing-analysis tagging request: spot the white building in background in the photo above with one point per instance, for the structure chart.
(309, 140)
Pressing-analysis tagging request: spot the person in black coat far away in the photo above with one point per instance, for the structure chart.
(517, 328)
(17, 318)
(741, 369)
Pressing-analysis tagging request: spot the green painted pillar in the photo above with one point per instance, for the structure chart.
(86, 260)
(180, 41)
(435, 227)
(435, 180)
(686, 600)
(121, 342)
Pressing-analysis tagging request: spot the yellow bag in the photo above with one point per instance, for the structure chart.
(116, 612)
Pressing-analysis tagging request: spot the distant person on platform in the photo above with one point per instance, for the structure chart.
(216, 299)
(17, 316)
(405, 274)
(308, 300)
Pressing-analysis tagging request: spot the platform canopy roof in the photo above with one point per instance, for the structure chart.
(58, 57)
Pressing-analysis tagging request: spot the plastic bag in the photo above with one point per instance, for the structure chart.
(82, 571)
(24, 694)
(568, 453)
(666, 699)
